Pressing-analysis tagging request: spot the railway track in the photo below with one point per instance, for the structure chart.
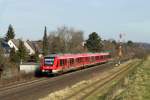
(22, 83)
(10, 87)
(48, 85)
(26, 83)
(86, 91)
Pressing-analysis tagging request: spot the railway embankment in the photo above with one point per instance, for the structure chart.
(113, 90)
(107, 85)
(138, 87)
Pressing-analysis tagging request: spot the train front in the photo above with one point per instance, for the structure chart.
(48, 64)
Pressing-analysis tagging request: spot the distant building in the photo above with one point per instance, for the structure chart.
(30, 47)
(14, 43)
(33, 47)
(83, 43)
(38, 46)
(6, 48)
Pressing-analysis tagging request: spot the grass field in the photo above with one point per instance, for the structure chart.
(139, 84)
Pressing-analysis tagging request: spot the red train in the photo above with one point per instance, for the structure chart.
(66, 62)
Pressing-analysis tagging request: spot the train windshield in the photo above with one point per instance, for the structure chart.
(48, 61)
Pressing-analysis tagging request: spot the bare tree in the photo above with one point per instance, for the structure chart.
(66, 40)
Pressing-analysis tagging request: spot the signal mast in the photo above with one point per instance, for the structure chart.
(120, 52)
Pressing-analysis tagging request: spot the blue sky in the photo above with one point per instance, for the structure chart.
(106, 17)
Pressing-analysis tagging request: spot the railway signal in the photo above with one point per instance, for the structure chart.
(120, 49)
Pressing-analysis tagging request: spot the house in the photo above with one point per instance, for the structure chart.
(14, 43)
(5, 47)
(38, 46)
(30, 47)
(33, 47)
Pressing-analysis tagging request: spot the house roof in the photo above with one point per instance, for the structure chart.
(4, 43)
(31, 44)
(35, 45)
(16, 42)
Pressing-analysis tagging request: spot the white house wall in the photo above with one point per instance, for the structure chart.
(12, 45)
(28, 68)
(31, 51)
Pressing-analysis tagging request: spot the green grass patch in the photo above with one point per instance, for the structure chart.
(139, 83)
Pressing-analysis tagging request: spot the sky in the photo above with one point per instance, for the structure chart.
(108, 18)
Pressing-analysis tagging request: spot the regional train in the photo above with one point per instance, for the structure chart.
(55, 63)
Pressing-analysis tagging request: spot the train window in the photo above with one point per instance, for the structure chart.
(61, 62)
(65, 61)
(101, 57)
(92, 59)
(109, 56)
(104, 57)
(49, 61)
(86, 59)
(78, 60)
(97, 57)
(71, 61)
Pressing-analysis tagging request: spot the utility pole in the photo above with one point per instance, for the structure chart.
(120, 52)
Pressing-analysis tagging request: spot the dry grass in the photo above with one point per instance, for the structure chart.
(67, 91)
(139, 84)
(18, 78)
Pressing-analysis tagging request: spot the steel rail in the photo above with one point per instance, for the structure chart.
(6, 89)
(105, 80)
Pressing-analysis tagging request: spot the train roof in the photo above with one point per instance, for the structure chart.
(63, 56)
